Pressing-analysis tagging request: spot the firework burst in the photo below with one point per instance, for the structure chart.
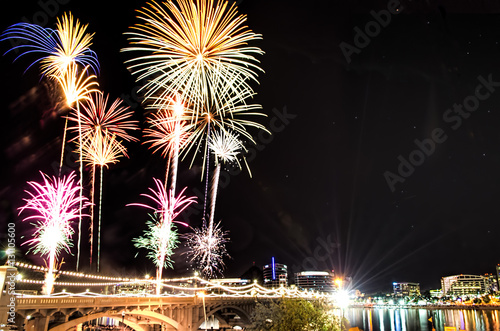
(102, 124)
(153, 240)
(166, 209)
(162, 135)
(207, 248)
(55, 204)
(95, 113)
(198, 48)
(238, 119)
(76, 87)
(68, 44)
(100, 149)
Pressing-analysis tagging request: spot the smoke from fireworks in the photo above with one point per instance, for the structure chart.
(55, 204)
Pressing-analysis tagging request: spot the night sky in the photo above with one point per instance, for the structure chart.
(319, 196)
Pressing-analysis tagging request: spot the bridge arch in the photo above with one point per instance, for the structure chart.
(147, 313)
(88, 318)
(213, 311)
(155, 315)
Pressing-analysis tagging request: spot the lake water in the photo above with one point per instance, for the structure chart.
(414, 319)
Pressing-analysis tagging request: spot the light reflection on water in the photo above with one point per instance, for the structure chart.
(413, 319)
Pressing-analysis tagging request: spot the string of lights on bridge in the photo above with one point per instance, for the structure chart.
(202, 288)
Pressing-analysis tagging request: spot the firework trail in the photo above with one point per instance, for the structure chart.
(166, 209)
(196, 48)
(225, 146)
(76, 88)
(100, 148)
(105, 123)
(208, 243)
(178, 112)
(55, 204)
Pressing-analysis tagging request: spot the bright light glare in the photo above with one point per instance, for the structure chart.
(342, 298)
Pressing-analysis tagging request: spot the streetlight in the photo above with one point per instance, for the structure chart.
(342, 298)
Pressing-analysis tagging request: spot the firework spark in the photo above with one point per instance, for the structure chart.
(166, 208)
(96, 114)
(198, 48)
(68, 44)
(55, 204)
(207, 248)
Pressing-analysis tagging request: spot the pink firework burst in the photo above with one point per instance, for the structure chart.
(55, 203)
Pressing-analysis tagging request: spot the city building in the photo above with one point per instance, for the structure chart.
(498, 276)
(275, 274)
(406, 289)
(231, 281)
(436, 293)
(491, 282)
(321, 281)
(459, 285)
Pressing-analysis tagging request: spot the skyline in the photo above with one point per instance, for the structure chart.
(338, 128)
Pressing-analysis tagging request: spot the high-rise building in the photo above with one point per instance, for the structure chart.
(491, 282)
(498, 276)
(321, 281)
(463, 285)
(406, 289)
(275, 274)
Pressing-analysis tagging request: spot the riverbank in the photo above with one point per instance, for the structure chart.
(451, 306)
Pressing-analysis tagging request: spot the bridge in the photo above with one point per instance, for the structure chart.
(182, 307)
(138, 313)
